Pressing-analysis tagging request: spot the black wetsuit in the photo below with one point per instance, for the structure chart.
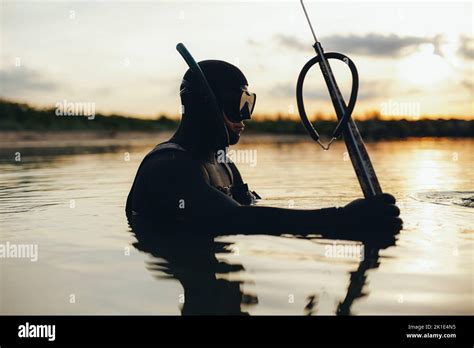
(182, 181)
(172, 185)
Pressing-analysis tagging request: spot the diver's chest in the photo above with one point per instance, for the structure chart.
(220, 175)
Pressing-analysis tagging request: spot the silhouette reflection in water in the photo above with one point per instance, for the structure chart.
(358, 278)
(190, 257)
(187, 253)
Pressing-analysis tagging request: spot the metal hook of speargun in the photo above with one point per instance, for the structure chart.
(326, 147)
(355, 145)
(336, 96)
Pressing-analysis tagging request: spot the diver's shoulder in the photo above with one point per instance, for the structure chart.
(167, 147)
(168, 150)
(170, 157)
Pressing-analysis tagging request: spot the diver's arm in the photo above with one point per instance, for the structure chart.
(205, 203)
(226, 216)
(378, 214)
(217, 210)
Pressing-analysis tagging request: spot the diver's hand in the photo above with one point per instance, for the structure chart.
(378, 212)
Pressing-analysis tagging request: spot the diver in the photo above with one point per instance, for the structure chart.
(184, 180)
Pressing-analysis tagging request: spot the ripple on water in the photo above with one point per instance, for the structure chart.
(459, 198)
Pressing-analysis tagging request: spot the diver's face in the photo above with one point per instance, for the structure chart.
(234, 129)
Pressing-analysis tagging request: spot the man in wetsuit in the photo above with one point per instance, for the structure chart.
(186, 180)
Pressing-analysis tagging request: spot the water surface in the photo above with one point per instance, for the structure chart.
(70, 202)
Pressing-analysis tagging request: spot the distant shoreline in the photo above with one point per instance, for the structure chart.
(19, 139)
(28, 123)
(97, 138)
(93, 138)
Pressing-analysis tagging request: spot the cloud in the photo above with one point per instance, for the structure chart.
(288, 90)
(291, 42)
(466, 48)
(21, 80)
(103, 91)
(469, 85)
(368, 90)
(371, 44)
(252, 42)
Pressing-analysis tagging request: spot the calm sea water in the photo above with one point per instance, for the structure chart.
(70, 203)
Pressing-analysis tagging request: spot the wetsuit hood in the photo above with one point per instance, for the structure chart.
(200, 132)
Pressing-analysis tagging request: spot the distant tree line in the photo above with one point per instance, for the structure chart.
(19, 117)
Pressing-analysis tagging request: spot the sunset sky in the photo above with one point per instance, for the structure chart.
(121, 55)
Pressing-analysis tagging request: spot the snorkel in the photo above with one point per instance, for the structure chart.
(210, 100)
